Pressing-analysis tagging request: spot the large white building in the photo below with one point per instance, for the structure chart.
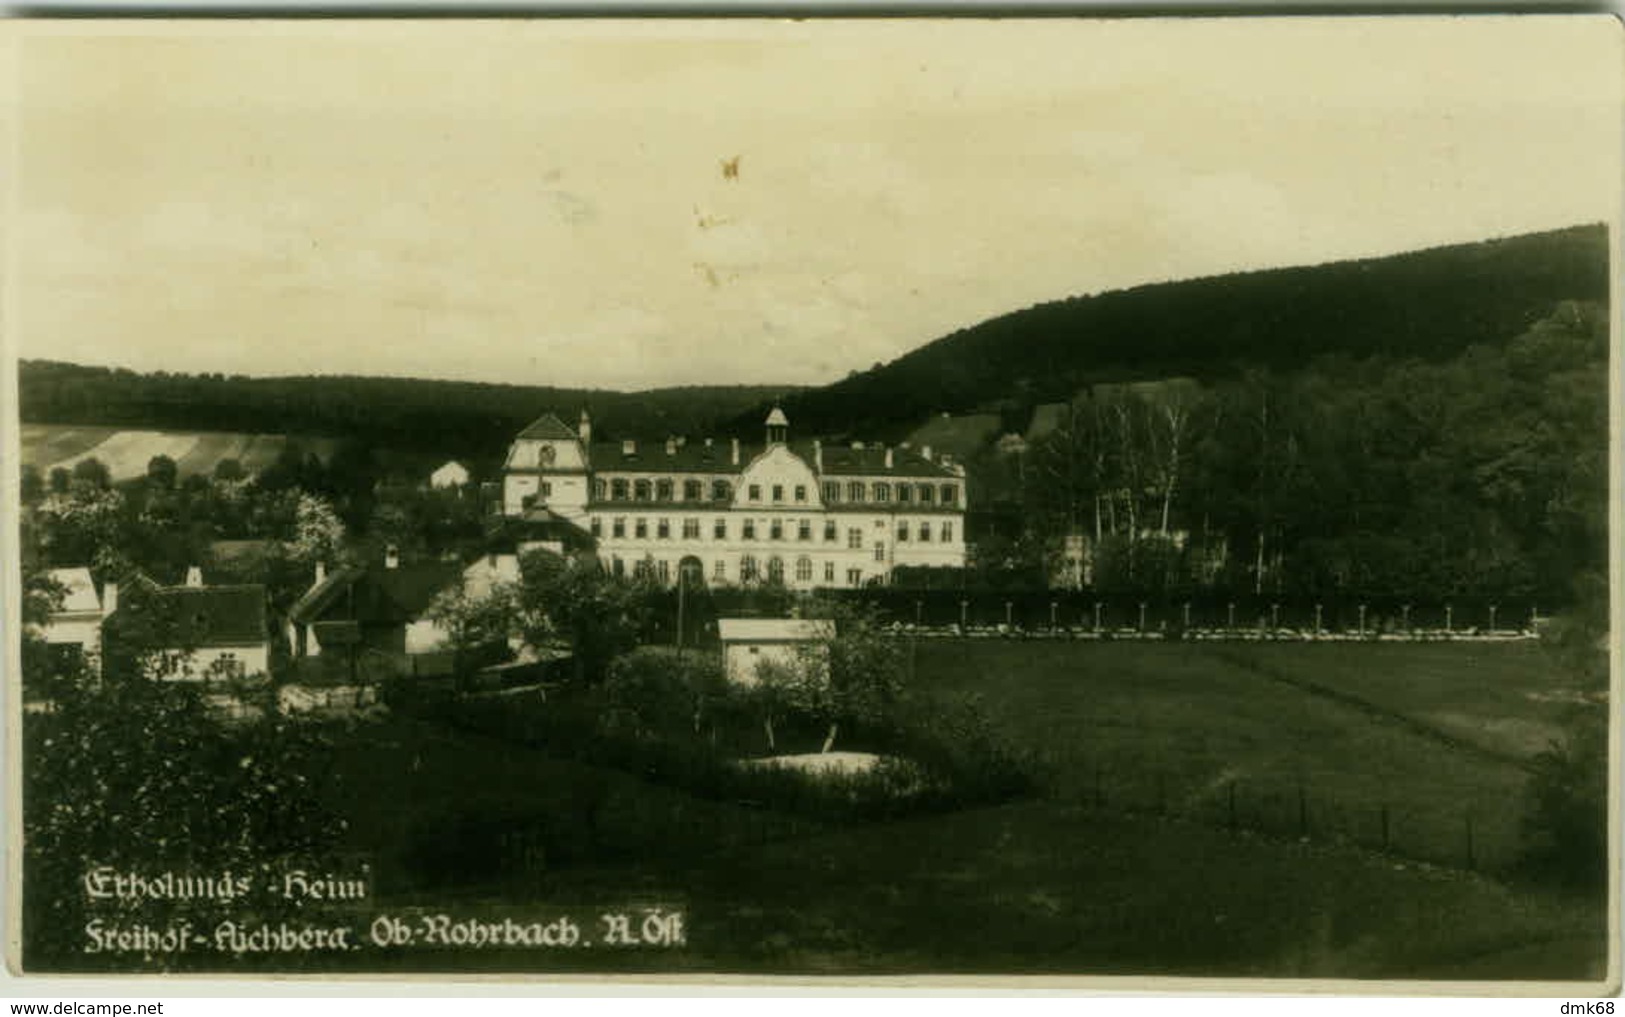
(804, 513)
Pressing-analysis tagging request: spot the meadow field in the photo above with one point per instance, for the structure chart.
(126, 452)
(1424, 748)
(1083, 878)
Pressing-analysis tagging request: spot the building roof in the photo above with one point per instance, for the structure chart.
(376, 595)
(697, 457)
(547, 426)
(78, 588)
(204, 616)
(777, 418)
(773, 630)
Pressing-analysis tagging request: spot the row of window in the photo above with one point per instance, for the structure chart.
(776, 529)
(749, 570)
(855, 491)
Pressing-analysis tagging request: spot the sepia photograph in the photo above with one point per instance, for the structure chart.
(1060, 501)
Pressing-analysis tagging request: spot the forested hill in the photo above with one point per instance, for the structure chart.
(1427, 304)
(467, 418)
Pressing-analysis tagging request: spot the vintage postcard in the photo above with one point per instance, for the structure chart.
(1067, 502)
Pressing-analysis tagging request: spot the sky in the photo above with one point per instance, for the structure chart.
(633, 204)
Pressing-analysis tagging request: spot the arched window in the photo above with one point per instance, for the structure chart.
(692, 490)
(882, 492)
(854, 491)
(775, 569)
(663, 489)
(747, 568)
(640, 490)
(832, 492)
(950, 494)
(721, 490)
(617, 489)
(804, 569)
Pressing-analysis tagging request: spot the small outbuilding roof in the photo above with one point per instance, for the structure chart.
(774, 630)
(79, 590)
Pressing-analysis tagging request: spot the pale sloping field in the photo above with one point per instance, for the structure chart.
(127, 452)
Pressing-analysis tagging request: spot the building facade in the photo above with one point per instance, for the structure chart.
(806, 514)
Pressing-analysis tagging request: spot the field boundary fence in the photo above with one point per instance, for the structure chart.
(1467, 838)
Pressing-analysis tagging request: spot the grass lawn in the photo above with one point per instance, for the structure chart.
(1506, 698)
(1037, 887)
(1176, 723)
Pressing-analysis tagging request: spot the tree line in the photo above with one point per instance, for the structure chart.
(1481, 475)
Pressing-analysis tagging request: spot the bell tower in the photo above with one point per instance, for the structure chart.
(778, 428)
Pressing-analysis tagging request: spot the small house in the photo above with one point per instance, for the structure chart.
(748, 642)
(75, 626)
(200, 632)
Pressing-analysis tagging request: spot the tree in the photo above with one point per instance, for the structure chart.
(93, 473)
(229, 471)
(162, 472)
(60, 479)
(855, 676)
(599, 615)
(139, 777)
(318, 534)
(31, 488)
(476, 623)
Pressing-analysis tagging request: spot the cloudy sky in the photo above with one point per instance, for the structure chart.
(548, 202)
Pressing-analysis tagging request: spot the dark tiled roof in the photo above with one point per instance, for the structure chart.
(547, 426)
(201, 616)
(696, 457)
(376, 595)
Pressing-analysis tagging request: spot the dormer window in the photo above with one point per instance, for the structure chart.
(640, 490)
(617, 489)
(950, 494)
(692, 490)
(925, 494)
(905, 493)
(663, 489)
(854, 491)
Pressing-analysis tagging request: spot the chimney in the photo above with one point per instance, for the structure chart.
(671, 446)
(736, 451)
(585, 428)
(818, 455)
(925, 450)
(888, 458)
(629, 447)
(194, 576)
(392, 557)
(109, 598)
(321, 572)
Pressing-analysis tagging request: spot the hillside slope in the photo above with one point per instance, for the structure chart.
(1428, 304)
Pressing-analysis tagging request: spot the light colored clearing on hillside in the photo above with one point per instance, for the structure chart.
(822, 762)
(126, 453)
(1046, 419)
(960, 435)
